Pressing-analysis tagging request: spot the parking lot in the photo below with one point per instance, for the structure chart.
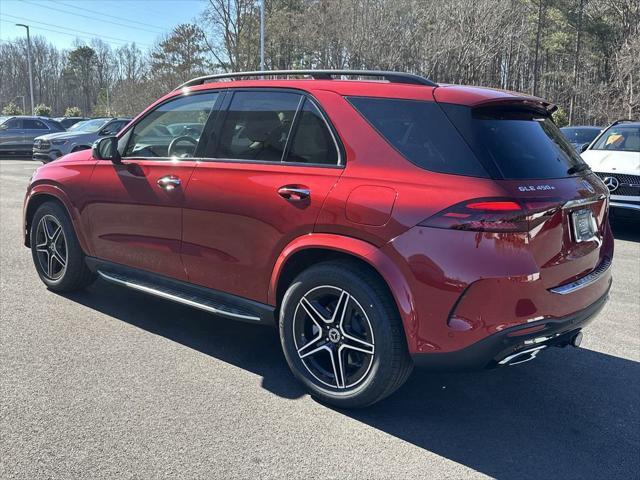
(109, 383)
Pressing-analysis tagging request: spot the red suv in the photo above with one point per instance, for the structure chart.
(379, 223)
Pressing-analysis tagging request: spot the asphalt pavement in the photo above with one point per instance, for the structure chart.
(110, 383)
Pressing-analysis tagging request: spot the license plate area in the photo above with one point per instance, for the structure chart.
(583, 225)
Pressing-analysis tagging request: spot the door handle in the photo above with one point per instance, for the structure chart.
(169, 182)
(294, 194)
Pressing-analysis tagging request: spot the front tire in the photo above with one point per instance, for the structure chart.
(342, 335)
(56, 252)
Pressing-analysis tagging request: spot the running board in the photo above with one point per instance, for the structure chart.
(190, 295)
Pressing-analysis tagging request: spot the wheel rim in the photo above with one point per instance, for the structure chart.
(333, 337)
(51, 247)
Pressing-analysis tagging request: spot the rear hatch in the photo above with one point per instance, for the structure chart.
(548, 190)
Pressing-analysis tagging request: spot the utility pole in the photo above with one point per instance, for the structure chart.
(29, 63)
(262, 35)
(24, 107)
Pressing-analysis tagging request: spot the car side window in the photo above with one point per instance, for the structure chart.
(173, 129)
(312, 141)
(12, 124)
(31, 124)
(257, 125)
(113, 127)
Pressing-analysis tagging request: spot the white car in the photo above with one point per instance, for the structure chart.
(614, 156)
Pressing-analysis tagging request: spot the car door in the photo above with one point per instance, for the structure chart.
(11, 135)
(273, 163)
(135, 207)
(32, 128)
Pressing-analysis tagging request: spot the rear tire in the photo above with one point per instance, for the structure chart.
(342, 335)
(56, 252)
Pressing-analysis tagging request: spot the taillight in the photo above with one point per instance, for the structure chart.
(494, 215)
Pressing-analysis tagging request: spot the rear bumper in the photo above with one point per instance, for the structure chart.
(487, 353)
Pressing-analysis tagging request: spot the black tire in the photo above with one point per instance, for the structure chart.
(375, 314)
(74, 275)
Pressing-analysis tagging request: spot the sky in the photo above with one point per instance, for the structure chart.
(115, 21)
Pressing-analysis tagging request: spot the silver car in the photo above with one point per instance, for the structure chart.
(17, 132)
(79, 137)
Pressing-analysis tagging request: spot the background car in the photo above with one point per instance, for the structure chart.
(18, 132)
(580, 137)
(615, 157)
(49, 147)
(68, 122)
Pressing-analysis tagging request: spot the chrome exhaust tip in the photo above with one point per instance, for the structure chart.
(522, 357)
(576, 340)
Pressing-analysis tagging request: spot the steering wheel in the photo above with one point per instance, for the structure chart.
(175, 141)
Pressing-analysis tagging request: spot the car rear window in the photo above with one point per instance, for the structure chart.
(422, 133)
(515, 143)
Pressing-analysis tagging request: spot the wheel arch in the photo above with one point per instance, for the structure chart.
(305, 251)
(49, 193)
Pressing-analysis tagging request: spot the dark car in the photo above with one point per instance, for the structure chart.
(580, 137)
(80, 136)
(68, 122)
(378, 224)
(17, 132)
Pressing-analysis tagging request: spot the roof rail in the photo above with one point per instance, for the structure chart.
(392, 77)
(622, 120)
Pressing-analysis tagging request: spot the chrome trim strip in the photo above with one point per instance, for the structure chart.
(581, 202)
(584, 281)
(630, 206)
(174, 298)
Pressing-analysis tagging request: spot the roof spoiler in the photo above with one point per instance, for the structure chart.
(533, 103)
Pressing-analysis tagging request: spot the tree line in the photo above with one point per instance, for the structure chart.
(583, 55)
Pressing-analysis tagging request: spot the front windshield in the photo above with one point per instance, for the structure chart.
(78, 125)
(621, 138)
(90, 126)
(3, 119)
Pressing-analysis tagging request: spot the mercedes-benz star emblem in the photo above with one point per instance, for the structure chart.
(611, 183)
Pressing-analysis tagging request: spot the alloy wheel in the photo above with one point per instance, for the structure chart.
(51, 247)
(333, 337)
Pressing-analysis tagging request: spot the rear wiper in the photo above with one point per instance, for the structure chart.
(581, 167)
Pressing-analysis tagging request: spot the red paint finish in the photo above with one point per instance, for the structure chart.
(228, 228)
(236, 223)
(132, 220)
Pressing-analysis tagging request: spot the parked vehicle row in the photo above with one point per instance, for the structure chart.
(47, 139)
(378, 224)
(79, 137)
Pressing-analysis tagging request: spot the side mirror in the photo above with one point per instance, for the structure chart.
(583, 147)
(106, 149)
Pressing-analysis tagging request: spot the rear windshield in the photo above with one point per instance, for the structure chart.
(621, 138)
(516, 143)
(580, 135)
(421, 132)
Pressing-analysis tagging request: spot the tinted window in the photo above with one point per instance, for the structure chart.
(12, 123)
(257, 124)
(516, 143)
(31, 124)
(114, 127)
(312, 141)
(421, 132)
(151, 136)
(580, 135)
(624, 138)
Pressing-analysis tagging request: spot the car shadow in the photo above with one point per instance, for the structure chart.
(626, 228)
(572, 413)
